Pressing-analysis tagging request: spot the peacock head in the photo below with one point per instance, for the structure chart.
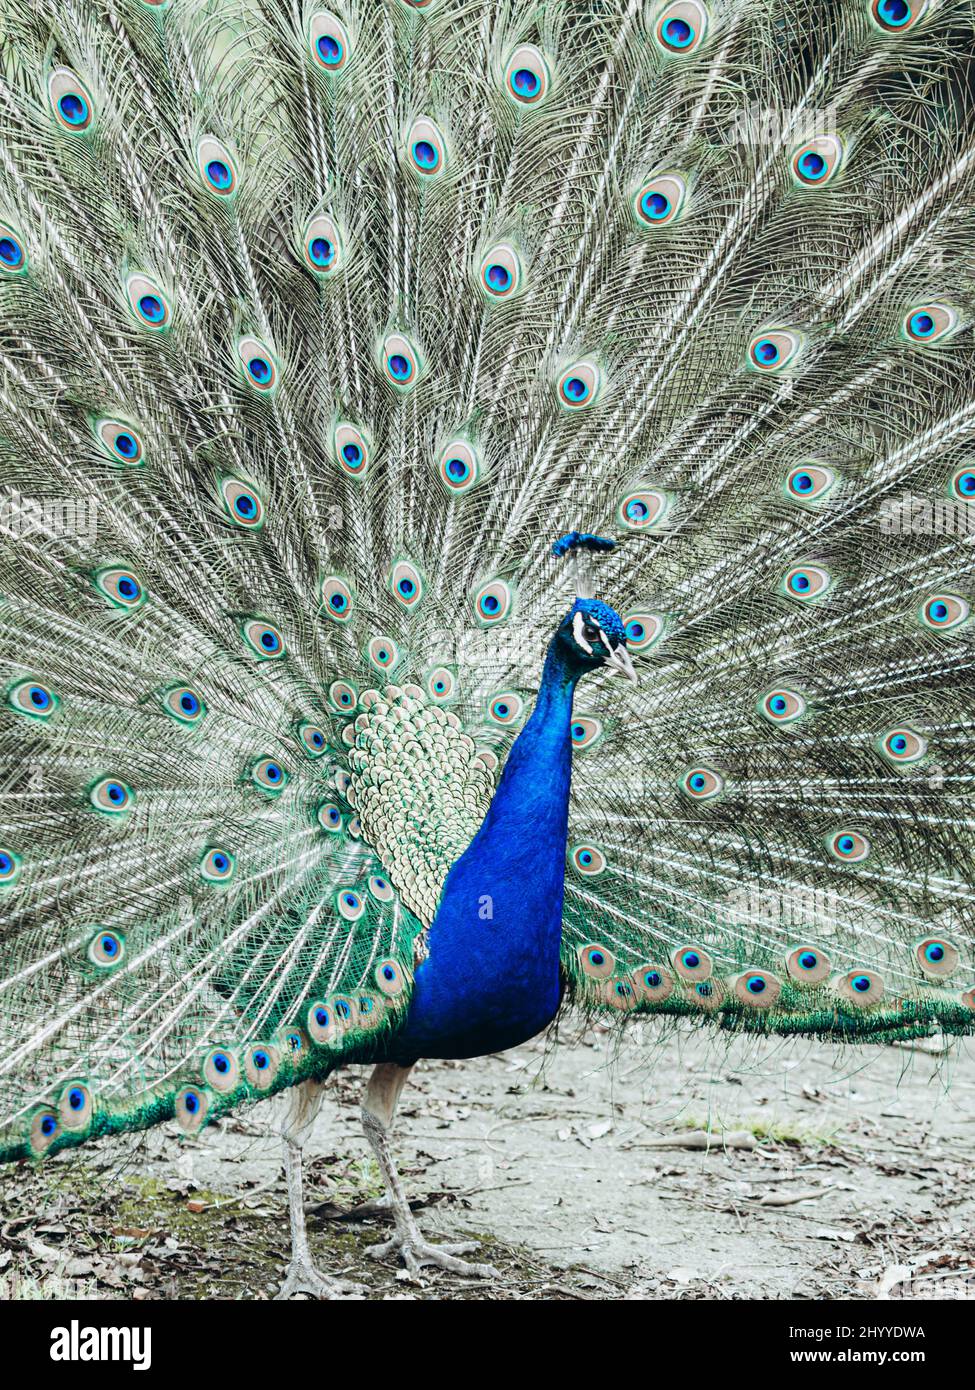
(592, 634)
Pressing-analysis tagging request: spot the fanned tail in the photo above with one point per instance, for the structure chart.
(319, 326)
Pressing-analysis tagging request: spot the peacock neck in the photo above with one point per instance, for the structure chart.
(522, 838)
(534, 787)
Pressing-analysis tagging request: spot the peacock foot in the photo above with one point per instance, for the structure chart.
(303, 1277)
(417, 1254)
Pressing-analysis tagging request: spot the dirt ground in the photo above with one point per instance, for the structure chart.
(669, 1166)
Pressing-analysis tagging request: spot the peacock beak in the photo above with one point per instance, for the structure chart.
(619, 663)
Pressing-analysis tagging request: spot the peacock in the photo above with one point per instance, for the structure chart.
(487, 498)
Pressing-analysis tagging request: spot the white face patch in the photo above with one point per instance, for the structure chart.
(578, 623)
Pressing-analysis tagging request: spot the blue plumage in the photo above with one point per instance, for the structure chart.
(491, 979)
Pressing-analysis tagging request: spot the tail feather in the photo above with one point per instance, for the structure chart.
(318, 327)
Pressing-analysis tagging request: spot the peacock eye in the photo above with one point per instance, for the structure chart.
(643, 510)
(9, 867)
(243, 503)
(458, 465)
(258, 365)
(860, 988)
(681, 27)
(848, 846)
(330, 817)
(406, 584)
(313, 738)
(440, 683)
(120, 441)
(902, 745)
(642, 630)
(580, 385)
(809, 481)
(120, 586)
(322, 246)
(936, 957)
(584, 731)
(527, 76)
(505, 709)
(293, 1041)
(620, 994)
(269, 776)
(380, 889)
(782, 706)
(217, 865)
(500, 273)
(148, 302)
(264, 639)
(963, 483)
(349, 904)
(221, 1069)
(808, 965)
(596, 960)
(70, 101)
(13, 257)
(261, 1064)
(817, 161)
(702, 783)
(183, 704)
(216, 167)
(757, 989)
(805, 582)
(493, 602)
(389, 977)
(653, 982)
(897, 16)
(351, 448)
(321, 1023)
(343, 696)
(44, 1129)
(943, 612)
(691, 963)
(590, 633)
(589, 860)
(337, 598)
(33, 698)
(111, 795)
(74, 1106)
(106, 948)
(401, 361)
(191, 1106)
(773, 349)
(328, 42)
(426, 148)
(929, 323)
(383, 653)
(660, 201)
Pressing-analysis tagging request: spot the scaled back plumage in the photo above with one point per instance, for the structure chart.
(318, 327)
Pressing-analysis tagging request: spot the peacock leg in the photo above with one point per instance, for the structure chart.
(378, 1108)
(303, 1104)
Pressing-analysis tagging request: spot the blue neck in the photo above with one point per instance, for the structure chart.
(533, 793)
(491, 979)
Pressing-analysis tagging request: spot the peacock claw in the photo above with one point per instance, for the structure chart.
(417, 1254)
(304, 1278)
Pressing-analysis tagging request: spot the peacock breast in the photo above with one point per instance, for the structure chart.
(491, 979)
